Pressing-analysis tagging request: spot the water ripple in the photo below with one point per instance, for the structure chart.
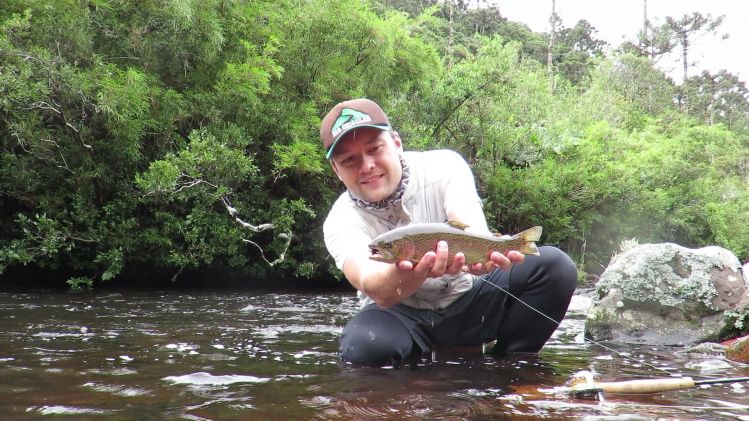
(117, 390)
(68, 410)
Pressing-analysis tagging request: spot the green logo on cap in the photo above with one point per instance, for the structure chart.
(349, 118)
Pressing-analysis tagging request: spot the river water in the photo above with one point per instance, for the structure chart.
(240, 356)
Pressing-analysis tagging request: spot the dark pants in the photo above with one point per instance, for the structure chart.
(388, 336)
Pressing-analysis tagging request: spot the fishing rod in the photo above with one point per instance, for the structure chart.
(583, 385)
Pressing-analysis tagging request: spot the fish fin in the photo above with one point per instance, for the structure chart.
(529, 248)
(531, 234)
(457, 224)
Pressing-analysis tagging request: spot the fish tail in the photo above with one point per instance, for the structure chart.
(528, 238)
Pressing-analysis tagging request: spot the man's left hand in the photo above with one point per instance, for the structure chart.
(496, 260)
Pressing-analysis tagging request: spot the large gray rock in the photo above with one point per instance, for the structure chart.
(666, 294)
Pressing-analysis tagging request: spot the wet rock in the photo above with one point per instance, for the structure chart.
(665, 294)
(738, 350)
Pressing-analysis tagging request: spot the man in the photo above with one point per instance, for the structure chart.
(411, 309)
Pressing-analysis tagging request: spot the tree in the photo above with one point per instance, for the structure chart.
(653, 41)
(576, 47)
(685, 29)
(646, 89)
(412, 7)
(533, 44)
(93, 95)
(484, 19)
(719, 98)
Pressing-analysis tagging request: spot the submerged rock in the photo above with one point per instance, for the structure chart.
(665, 294)
(712, 349)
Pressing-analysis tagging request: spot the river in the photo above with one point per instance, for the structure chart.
(239, 356)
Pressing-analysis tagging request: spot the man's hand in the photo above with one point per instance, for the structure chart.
(496, 260)
(434, 264)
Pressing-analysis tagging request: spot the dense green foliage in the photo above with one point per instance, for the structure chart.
(183, 134)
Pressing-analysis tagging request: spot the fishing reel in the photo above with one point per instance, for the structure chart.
(585, 384)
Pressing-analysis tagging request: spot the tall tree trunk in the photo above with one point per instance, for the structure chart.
(684, 54)
(550, 48)
(685, 64)
(450, 34)
(648, 44)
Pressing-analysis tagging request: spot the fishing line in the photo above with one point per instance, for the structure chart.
(619, 353)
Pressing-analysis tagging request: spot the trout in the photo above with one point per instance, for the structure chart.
(411, 242)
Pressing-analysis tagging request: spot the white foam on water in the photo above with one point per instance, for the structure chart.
(202, 378)
(181, 347)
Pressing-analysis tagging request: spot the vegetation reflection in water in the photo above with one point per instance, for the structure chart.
(240, 356)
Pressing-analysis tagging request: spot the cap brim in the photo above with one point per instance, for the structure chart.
(382, 127)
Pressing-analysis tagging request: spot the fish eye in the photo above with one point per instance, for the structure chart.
(387, 244)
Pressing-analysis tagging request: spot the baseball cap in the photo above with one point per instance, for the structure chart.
(347, 116)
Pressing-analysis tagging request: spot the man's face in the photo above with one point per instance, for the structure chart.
(367, 162)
